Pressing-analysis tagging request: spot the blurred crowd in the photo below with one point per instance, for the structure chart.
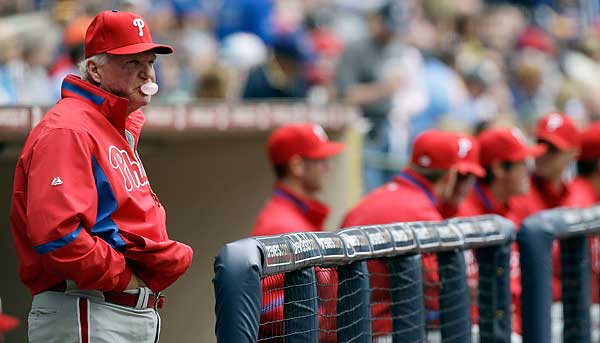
(460, 65)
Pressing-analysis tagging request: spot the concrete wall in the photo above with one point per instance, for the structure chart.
(212, 186)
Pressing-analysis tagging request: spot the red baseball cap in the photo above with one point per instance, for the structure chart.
(500, 145)
(435, 149)
(306, 140)
(120, 33)
(7, 323)
(558, 129)
(590, 143)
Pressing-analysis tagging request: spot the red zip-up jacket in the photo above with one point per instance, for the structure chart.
(583, 194)
(82, 206)
(408, 197)
(288, 212)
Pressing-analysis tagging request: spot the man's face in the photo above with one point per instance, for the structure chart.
(553, 163)
(313, 174)
(516, 179)
(123, 75)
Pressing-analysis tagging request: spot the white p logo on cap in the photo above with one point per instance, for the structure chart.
(318, 130)
(554, 122)
(139, 23)
(464, 146)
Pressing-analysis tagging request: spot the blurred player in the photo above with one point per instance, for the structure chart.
(504, 155)
(549, 185)
(585, 192)
(441, 174)
(299, 154)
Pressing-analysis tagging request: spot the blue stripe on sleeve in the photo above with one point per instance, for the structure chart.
(105, 227)
(57, 243)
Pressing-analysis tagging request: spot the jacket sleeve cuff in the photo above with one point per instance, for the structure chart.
(124, 279)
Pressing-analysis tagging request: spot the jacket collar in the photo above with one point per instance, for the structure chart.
(313, 210)
(113, 107)
(411, 177)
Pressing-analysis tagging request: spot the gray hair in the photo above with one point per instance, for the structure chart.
(98, 59)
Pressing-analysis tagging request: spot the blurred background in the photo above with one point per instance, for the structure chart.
(457, 65)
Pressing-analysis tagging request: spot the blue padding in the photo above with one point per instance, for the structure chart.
(238, 269)
(57, 243)
(535, 248)
(575, 279)
(406, 288)
(455, 304)
(494, 298)
(105, 227)
(301, 306)
(353, 306)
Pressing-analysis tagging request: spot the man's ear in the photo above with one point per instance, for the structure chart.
(296, 166)
(93, 71)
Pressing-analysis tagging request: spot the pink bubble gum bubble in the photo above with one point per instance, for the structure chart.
(149, 88)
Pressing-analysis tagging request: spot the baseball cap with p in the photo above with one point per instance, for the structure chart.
(559, 130)
(435, 149)
(120, 33)
(306, 140)
(505, 145)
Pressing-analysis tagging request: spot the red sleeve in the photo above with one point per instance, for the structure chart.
(61, 208)
(159, 264)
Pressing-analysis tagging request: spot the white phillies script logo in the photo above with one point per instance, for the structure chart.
(464, 146)
(133, 172)
(139, 23)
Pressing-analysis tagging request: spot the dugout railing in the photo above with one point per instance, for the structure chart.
(572, 229)
(312, 312)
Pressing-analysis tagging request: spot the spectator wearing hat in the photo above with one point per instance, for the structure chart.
(299, 154)
(89, 232)
(505, 155)
(283, 75)
(585, 192)
(374, 73)
(441, 173)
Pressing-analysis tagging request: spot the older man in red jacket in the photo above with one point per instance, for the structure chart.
(299, 154)
(441, 173)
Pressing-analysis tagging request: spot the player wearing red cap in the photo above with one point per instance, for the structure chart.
(89, 231)
(442, 171)
(585, 192)
(299, 154)
(558, 133)
(504, 154)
